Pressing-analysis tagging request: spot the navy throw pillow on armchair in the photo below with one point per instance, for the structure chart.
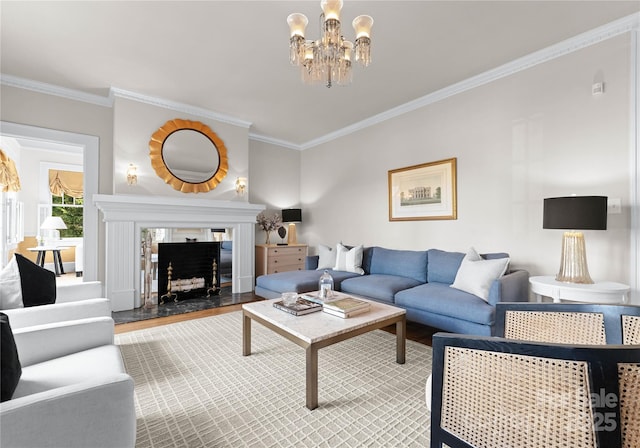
(38, 284)
(10, 369)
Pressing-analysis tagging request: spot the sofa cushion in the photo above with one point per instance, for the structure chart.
(9, 361)
(476, 275)
(300, 281)
(349, 260)
(10, 287)
(38, 284)
(404, 263)
(443, 266)
(440, 298)
(378, 286)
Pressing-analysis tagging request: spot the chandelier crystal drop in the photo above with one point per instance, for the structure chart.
(328, 60)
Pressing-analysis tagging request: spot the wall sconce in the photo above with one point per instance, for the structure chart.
(132, 174)
(241, 185)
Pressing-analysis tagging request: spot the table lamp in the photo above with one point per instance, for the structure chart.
(575, 213)
(54, 223)
(292, 216)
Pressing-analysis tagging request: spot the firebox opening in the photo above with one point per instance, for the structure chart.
(191, 266)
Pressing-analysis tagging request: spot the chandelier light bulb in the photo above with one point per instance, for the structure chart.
(331, 9)
(348, 49)
(297, 24)
(362, 26)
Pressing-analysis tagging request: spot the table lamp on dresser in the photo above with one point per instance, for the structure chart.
(292, 216)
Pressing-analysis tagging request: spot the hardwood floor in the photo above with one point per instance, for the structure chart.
(150, 323)
(415, 332)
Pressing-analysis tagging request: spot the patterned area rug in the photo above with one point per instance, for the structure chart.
(195, 389)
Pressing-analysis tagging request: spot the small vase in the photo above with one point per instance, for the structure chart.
(268, 240)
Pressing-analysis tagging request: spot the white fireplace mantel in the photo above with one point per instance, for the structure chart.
(126, 215)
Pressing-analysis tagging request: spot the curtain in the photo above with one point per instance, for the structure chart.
(67, 182)
(9, 180)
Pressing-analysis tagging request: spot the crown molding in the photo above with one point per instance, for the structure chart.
(107, 101)
(50, 89)
(274, 141)
(594, 36)
(597, 35)
(177, 106)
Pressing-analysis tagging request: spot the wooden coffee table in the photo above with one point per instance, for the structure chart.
(317, 330)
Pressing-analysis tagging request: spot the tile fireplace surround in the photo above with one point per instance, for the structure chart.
(126, 215)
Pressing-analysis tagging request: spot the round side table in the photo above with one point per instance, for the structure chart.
(599, 292)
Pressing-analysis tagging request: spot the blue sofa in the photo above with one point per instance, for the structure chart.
(418, 281)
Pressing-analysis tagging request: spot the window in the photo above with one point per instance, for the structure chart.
(67, 201)
(71, 211)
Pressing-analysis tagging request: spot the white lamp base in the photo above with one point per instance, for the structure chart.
(573, 260)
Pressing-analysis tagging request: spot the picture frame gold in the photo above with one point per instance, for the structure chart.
(424, 192)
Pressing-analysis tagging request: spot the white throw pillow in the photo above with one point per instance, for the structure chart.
(476, 275)
(349, 260)
(10, 286)
(326, 257)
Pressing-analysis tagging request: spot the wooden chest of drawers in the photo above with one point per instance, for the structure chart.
(271, 258)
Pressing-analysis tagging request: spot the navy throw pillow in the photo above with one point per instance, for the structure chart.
(10, 369)
(38, 284)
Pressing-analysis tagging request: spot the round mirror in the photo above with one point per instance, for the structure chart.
(188, 155)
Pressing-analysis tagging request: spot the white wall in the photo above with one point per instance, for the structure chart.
(54, 112)
(134, 124)
(46, 111)
(274, 180)
(535, 134)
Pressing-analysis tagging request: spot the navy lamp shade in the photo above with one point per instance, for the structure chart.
(574, 213)
(292, 216)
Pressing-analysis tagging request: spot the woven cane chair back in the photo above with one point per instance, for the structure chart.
(629, 377)
(569, 323)
(550, 326)
(631, 330)
(494, 392)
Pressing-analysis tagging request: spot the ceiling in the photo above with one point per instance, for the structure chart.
(231, 57)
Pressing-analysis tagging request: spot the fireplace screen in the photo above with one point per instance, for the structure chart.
(188, 270)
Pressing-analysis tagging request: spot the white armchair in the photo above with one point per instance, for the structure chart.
(73, 301)
(73, 391)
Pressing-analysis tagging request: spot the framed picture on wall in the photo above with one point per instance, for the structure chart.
(422, 192)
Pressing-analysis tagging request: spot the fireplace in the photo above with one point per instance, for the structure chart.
(188, 270)
(126, 215)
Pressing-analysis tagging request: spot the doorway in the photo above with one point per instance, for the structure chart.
(89, 147)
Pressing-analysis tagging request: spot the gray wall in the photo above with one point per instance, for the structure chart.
(274, 180)
(535, 134)
(134, 124)
(54, 112)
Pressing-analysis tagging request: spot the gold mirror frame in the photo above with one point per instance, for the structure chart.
(164, 172)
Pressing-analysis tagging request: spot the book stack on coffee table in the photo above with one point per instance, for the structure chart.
(346, 307)
(299, 308)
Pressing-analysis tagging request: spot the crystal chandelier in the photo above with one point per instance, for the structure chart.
(328, 59)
